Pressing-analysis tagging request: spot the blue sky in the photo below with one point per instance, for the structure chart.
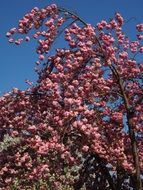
(17, 62)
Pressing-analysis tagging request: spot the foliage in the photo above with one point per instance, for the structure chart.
(81, 125)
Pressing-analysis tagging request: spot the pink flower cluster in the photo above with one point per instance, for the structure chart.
(77, 108)
(139, 27)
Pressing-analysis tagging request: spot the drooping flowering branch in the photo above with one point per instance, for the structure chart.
(80, 107)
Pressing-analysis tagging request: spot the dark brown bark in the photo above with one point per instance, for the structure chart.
(134, 147)
(134, 152)
(84, 173)
(105, 172)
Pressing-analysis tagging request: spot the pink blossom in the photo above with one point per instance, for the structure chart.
(141, 49)
(139, 27)
(41, 57)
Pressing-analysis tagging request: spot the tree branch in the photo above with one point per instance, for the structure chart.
(131, 130)
(105, 172)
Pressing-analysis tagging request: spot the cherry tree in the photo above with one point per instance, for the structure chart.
(81, 125)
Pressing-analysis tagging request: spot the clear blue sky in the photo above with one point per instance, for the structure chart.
(17, 62)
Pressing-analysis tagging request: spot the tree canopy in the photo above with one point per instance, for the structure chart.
(81, 125)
